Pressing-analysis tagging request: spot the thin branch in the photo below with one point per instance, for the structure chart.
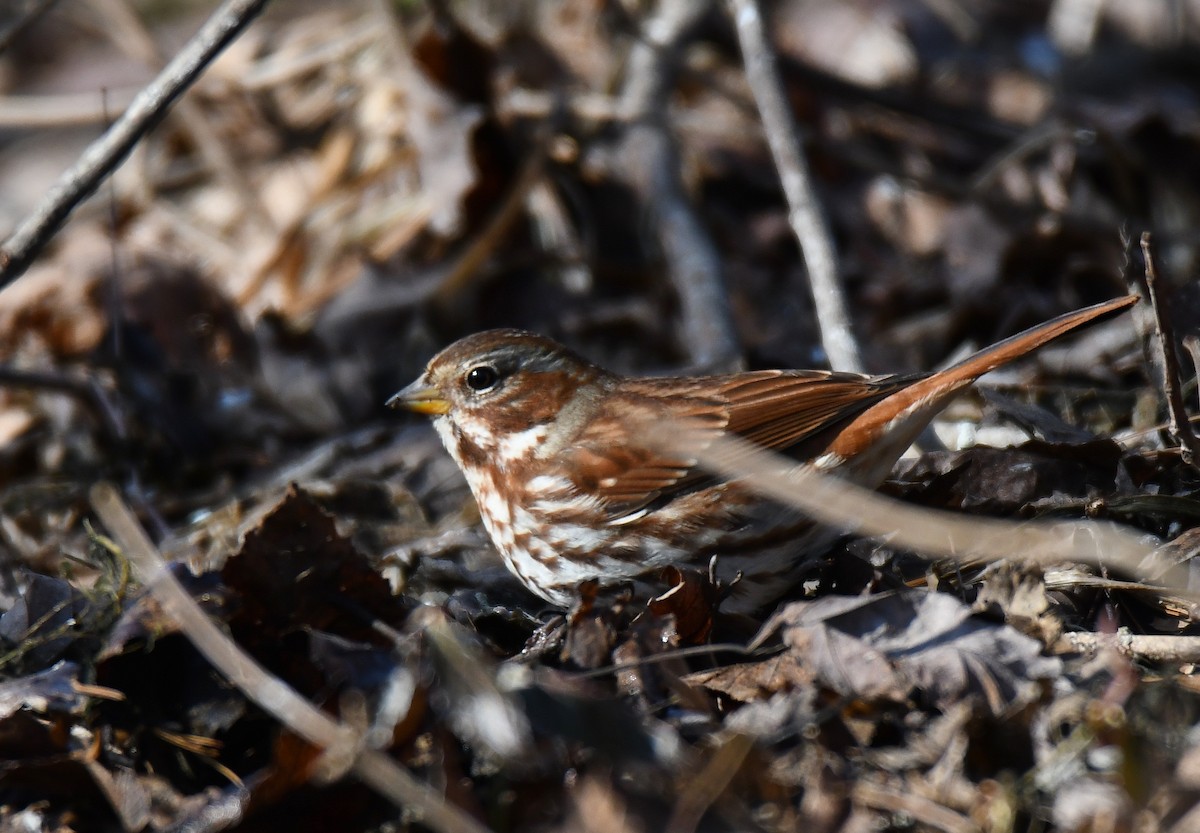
(1178, 423)
(838, 503)
(804, 209)
(701, 789)
(926, 812)
(648, 161)
(104, 154)
(38, 112)
(268, 691)
(1144, 647)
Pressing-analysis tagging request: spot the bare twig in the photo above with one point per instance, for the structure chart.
(843, 505)
(649, 163)
(926, 812)
(804, 209)
(1178, 423)
(268, 691)
(706, 786)
(103, 155)
(36, 112)
(1148, 648)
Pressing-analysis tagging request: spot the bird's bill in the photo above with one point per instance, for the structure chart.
(420, 398)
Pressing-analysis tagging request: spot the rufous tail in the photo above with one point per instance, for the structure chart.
(904, 414)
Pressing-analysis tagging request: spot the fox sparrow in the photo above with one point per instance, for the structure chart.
(572, 485)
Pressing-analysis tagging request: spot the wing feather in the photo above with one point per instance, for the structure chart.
(775, 409)
(780, 409)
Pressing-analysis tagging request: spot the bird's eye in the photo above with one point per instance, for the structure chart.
(482, 378)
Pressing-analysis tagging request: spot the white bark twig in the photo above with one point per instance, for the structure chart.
(103, 155)
(1145, 647)
(804, 209)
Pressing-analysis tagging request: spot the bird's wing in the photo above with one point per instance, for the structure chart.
(791, 410)
(616, 459)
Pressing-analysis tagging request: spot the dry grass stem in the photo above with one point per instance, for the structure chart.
(268, 691)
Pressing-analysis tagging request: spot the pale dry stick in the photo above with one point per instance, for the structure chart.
(926, 812)
(376, 769)
(706, 786)
(1068, 577)
(1127, 439)
(648, 161)
(1144, 647)
(1178, 423)
(39, 112)
(804, 208)
(843, 505)
(103, 155)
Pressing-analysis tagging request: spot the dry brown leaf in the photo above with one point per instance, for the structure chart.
(884, 646)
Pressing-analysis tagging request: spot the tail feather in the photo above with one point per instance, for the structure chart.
(903, 415)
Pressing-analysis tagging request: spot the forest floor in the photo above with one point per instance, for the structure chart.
(204, 350)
